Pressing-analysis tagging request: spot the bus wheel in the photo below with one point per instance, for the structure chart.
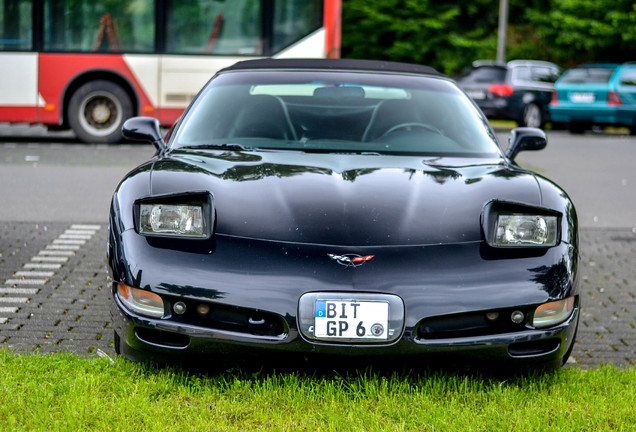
(97, 110)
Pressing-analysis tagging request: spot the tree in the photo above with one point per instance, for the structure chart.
(579, 31)
(421, 31)
(450, 35)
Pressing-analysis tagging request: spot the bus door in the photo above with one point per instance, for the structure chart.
(18, 67)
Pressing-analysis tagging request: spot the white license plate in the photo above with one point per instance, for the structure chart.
(582, 97)
(350, 319)
(476, 94)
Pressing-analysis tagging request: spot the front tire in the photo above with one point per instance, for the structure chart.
(97, 111)
(117, 342)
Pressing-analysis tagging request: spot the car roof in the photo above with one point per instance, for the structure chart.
(335, 64)
(488, 63)
(597, 66)
(512, 63)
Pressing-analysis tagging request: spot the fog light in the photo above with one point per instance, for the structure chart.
(492, 316)
(179, 308)
(140, 301)
(553, 313)
(517, 317)
(203, 309)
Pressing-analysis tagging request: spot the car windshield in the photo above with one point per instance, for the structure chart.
(335, 112)
(485, 74)
(587, 75)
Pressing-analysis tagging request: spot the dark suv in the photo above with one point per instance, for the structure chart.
(519, 90)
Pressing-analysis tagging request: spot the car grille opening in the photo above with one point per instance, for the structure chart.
(471, 324)
(533, 348)
(230, 318)
(162, 338)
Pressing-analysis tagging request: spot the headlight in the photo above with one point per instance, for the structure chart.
(187, 216)
(175, 220)
(525, 230)
(508, 224)
(140, 301)
(553, 313)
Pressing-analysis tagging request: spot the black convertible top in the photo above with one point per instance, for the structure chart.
(334, 64)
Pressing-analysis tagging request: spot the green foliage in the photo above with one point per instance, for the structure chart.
(580, 31)
(450, 35)
(418, 31)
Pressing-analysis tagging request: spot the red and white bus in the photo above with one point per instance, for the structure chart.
(88, 65)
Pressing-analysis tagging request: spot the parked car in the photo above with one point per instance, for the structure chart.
(519, 90)
(340, 207)
(596, 94)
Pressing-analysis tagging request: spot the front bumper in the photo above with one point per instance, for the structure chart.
(150, 340)
(255, 287)
(601, 114)
(499, 108)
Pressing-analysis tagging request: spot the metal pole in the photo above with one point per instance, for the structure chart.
(503, 29)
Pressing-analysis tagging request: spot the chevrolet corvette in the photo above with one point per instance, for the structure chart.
(340, 208)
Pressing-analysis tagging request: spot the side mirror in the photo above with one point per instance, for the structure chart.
(144, 129)
(525, 138)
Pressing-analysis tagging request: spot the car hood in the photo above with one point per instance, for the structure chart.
(345, 199)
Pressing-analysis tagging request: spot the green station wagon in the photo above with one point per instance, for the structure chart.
(596, 95)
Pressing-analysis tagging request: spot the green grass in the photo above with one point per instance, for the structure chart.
(503, 124)
(71, 393)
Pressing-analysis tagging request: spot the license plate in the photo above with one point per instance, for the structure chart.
(582, 97)
(476, 94)
(350, 319)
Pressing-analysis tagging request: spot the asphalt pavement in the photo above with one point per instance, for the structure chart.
(54, 293)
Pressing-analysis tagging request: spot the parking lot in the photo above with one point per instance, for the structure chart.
(54, 292)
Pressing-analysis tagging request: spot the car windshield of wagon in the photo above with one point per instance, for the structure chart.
(485, 74)
(335, 112)
(587, 76)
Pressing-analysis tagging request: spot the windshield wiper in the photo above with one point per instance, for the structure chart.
(224, 146)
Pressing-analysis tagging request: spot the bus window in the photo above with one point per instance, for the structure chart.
(88, 65)
(293, 20)
(99, 25)
(214, 27)
(15, 25)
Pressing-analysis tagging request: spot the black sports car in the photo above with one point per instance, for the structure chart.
(340, 207)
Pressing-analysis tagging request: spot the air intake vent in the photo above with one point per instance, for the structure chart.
(230, 318)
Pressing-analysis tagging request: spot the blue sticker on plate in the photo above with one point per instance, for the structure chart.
(321, 308)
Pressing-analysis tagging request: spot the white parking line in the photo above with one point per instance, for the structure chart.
(22, 291)
(26, 281)
(75, 236)
(63, 247)
(69, 242)
(34, 274)
(43, 266)
(86, 227)
(56, 252)
(14, 300)
(49, 259)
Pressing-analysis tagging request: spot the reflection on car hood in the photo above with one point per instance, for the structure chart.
(346, 199)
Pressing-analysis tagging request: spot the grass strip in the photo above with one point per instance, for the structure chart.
(65, 392)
